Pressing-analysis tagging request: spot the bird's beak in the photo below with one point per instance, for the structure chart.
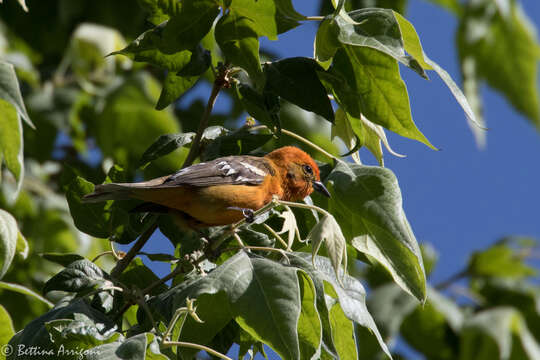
(317, 185)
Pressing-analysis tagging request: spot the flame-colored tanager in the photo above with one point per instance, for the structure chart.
(219, 192)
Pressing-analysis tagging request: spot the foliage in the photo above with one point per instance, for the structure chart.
(101, 109)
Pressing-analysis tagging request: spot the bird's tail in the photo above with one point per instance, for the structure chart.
(121, 191)
(109, 192)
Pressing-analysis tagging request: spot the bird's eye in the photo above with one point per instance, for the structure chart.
(308, 169)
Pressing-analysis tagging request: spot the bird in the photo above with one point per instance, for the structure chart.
(222, 191)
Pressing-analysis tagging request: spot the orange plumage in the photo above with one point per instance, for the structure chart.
(215, 192)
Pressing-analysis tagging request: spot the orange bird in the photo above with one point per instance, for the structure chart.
(224, 190)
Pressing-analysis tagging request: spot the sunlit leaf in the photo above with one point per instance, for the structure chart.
(25, 291)
(498, 333)
(237, 37)
(78, 276)
(10, 92)
(8, 240)
(368, 82)
(367, 202)
(11, 143)
(327, 231)
(489, 32)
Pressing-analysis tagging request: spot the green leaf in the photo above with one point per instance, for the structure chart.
(343, 129)
(237, 38)
(261, 107)
(139, 275)
(380, 30)
(7, 330)
(8, 240)
(214, 311)
(458, 94)
(78, 333)
(199, 62)
(367, 203)
(148, 48)
(173, 87)
(342, 329)
(62, 259)
(188, 25)
(327, 230)
(138, 347)
(36, 334)
(89, 218)
(430, 257)
(79, 276)
(289, 226)
(269, 18)
(10, 91)
(498, 333)
(366, 81)
(238, 142)
(326, 42)
(263, 297)
(22, 246)
(296, 80)
(129, 114)
(434, 328)
(389, 307)
(309, 322)
(486, 33)
(499, 261)
(521, 295)
(411, 42)
(159, 10)
(348, 291)
(164, 145)
(11, 142)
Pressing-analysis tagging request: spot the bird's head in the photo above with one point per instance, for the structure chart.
(300, 173)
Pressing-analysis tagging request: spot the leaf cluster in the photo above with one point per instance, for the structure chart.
(292, 280)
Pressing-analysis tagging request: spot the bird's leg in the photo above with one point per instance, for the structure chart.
(249, 214)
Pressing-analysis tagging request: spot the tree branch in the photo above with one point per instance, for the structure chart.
(221, 81)
(124, 262)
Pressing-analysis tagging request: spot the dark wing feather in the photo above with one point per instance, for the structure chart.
(235, 170)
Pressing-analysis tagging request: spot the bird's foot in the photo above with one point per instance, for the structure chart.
(249, 214)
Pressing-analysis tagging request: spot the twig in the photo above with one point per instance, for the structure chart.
(302, 139)
(315, 18)
(276, 235)
(236, 225)
(197, 346)
(108, 252)
(303, 206)
(220, 82)
(452, 279)
(124, 262)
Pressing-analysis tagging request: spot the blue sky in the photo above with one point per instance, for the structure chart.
(460, 199)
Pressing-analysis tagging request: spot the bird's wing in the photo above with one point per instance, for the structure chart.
(235, 170)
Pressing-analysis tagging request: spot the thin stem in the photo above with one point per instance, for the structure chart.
(124, 262)
(314, 18)
(236, 225)
(239, 241)
(302, 139)
(276, 235)
(452, 279)
(221, 81)
(196, 346)
(177, 271)
(194, 150)
(109, 252)
(303, 206)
